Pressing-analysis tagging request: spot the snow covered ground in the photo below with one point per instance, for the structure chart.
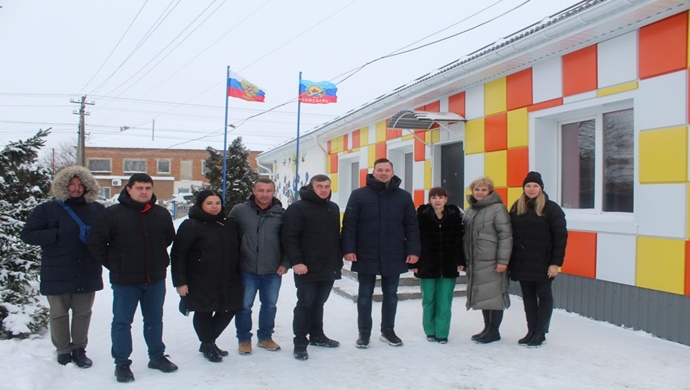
(579, 354)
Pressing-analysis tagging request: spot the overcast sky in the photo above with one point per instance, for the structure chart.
(142, 61)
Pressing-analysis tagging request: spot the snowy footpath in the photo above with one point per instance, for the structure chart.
(579, 354)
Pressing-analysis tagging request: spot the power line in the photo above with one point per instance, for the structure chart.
(161, 18)
(116, 45)
(166, 47)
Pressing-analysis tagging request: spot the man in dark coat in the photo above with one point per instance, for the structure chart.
(380, 236)
(311, 242)
(131, 240)
(70, 277)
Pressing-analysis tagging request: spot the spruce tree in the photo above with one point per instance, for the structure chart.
(239, 174)
(23, 185)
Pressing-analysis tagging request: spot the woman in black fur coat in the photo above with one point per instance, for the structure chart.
(441, 231)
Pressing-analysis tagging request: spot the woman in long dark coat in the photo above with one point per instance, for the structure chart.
(539, 239)
(205, 257)
(440, 227)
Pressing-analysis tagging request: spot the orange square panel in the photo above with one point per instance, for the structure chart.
(418, 198)
(519, 89)
(496, 132)
(518, 166)
(580, 71)
(663, 46)
(503, 192)
(581, 254)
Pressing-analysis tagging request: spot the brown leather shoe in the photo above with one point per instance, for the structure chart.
(245, 348)
(268, 344)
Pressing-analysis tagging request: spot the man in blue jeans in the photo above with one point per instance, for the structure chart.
(131, 240)
(380, 236)
(260, 221)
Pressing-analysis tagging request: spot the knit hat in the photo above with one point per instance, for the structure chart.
(202, 195)
(533, 177)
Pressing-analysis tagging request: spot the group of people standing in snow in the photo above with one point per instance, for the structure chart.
(221, 261)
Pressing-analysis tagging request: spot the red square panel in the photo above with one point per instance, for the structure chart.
(581, 254)
(580, 71)
(503, 192)
(456, 104)
(519, 89)
(663, 46)
(418, 198)
(496, 132)
(518, 166)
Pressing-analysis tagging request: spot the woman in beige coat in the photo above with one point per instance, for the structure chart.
(488, 244)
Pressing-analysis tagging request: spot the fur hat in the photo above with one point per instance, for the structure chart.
(533, 177)
(62, 178)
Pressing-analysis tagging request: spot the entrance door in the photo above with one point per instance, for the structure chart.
(453, 172)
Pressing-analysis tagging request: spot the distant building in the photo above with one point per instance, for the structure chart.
(173, 170)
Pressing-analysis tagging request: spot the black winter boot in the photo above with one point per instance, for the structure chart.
(220, 351)
(363, 340)
(80, 358)
(485, 314)
(388, 336)
(537, 340)
(495, 318)
(210, 352)
(528, 337)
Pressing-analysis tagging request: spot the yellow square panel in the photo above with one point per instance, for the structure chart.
(618, 88)
(495, 96)
(427, 175)
(661, 264)
(474, 136)
(371, 154)
(364, 136)
(513, 195)
(435, 136)
(496, 167)
(407, 136)
(664, 155)
(687, 219)
(518, 128)
(465, 202)
(328, 163)
(334, 182)
(381, 131)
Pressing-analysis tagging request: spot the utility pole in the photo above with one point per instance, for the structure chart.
(81, 140)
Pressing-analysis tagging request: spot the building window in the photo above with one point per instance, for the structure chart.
(164, 166)
(186, 170)
(100, 165)
(597, 162)
(134, 166)
(204, 169)
(105, 192)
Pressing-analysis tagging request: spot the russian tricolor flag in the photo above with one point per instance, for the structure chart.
(241, 88)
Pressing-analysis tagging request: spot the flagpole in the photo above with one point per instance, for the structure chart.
(225, 136)
(299, 105)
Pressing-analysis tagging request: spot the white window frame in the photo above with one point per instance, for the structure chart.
(158, 167)
(545, 156)
(126, 160)
(109, 160)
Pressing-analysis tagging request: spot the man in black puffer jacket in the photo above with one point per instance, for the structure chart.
(380, 236)
(70, 277)
(311, 242)
(131, 240)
